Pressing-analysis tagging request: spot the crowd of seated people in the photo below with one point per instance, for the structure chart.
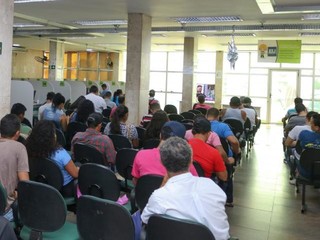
(203, 139)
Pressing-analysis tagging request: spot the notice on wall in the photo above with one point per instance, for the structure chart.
(279, 51)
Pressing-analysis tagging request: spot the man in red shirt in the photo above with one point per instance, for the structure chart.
(208, 157)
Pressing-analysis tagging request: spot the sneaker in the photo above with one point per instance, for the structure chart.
(293, 181)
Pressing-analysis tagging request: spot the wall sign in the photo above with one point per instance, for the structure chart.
(279, 51)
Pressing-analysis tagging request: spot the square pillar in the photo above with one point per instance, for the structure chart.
(56, 61)
(219, 79)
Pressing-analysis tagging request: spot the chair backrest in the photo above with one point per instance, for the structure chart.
(145, 187)
(103, 219)
(120, 141)
(141, 132)
(46, 171)
(151, 143)
(41, 207)
(164, 227)
(195, 111)
(72, 129)
(310, 161)
(247, 124)
(3, 199)
(175, 117)
(198, 168)
(235, 125)
(124, 162)
(98, 180)
(170, 109)
(60, 137)
(188, 125)
(202, 110)
(106, 112)
(85, 153)
(188, 115)
(224, 144)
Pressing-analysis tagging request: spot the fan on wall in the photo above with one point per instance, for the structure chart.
(41, 59)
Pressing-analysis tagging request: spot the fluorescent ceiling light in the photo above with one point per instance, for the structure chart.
(32, 1)
(310, 34)
(265, 6)
(110, 44)
(169, 44)
(101, 23)
(207, 19)
(76, 37)
(16, 45)
(311, 17)
(229, 35)
(89, 50)
(24, 25)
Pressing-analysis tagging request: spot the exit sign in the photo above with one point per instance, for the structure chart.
(0, 48)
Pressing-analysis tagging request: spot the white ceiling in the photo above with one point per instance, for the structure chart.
(59, 16)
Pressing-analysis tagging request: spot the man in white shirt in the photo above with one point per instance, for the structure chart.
(98, 102)
(48, 103)
(185, 196)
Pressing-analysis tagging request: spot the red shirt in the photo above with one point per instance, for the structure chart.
(208, 157)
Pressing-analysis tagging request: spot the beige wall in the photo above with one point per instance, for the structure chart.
(25, 66)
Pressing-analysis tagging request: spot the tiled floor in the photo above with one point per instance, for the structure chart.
(266, 205)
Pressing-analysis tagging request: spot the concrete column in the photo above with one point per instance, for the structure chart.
(56, 61)
(6, 26)
(189, 53)
(219, 79)
(138, 65)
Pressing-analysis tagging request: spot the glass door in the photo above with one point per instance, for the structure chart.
(282, 90)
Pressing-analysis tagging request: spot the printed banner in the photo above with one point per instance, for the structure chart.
(279, 51)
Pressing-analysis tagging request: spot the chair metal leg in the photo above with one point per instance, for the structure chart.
(303, 205)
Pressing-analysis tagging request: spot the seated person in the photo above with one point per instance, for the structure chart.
(309, 139)
(148, 161)
(55, 112)
(121, 102)
(209, 158)
(154, 107)
(42, 143)
(92, 136)
(82, 113)
(13, 159)
(292, 111)
(6, 230)
(234, 112)
(152, 99)
(119, 125)
(25, 127)
(298, 120)
(98, 102)
(185, 196)
(201, 104)
(106, 95)
(48, 103)
(246, 102)
(153, 129)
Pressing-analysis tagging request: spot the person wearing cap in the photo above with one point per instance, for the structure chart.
(208, 157)
(234, 112)
(92, 136)
(148, 161)
(106, 95)
(47, 104)
(187, 197)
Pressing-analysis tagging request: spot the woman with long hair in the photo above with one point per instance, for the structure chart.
(118, 125)
(82, 113)
(55, 112)
(42, 143)
(158, 119)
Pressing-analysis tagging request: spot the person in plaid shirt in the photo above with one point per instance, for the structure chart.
(92, 136)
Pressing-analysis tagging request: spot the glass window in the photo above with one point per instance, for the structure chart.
(306, 87)
(158, 61)
(157, 81)
(175, 61)
(204, 78)
(254, 62)
(260, 105)
(258, 86)
(235, 85)
(306, 72)
(259, 71)
(174, 99)
(206, 62)
(317, 88)
(174, 82)
(241, 66)
(317, 64)
(161, 97)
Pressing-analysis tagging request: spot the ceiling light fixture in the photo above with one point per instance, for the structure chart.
(266, 6)
(311, 17)
(32, 1)
(228, 35)
(309, 34)
(207, 19)
(25, 25)
(101, 23)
